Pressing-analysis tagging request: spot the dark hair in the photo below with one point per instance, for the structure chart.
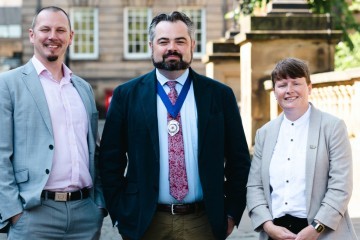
(171, 17)
(290, 68)
(50, 8)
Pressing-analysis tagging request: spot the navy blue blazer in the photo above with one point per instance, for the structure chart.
(130, 140)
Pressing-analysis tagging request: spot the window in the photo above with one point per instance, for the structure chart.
(197, 15)
(10, 31)
(85, 44)
(136, 22)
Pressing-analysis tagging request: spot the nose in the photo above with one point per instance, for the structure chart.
(52, 34)
(289, 88)
(171, 45)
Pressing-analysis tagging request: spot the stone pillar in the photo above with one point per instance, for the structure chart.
(264, 40)
(222, 61)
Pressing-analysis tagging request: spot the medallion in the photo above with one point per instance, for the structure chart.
(173, 127)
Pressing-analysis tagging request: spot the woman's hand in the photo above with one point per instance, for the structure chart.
(277, 232)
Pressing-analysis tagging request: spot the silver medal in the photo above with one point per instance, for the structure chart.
(173, 127)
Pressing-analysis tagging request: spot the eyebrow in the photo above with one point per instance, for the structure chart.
(179, 38)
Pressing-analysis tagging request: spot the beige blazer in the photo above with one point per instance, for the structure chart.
(328, 175)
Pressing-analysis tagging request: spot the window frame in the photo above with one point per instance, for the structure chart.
(95, 33)
(135, 55)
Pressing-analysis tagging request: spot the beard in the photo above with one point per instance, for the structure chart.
(172, 65)
(52, 58)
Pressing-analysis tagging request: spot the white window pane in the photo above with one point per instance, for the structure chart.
(85, 25)
(136, 21)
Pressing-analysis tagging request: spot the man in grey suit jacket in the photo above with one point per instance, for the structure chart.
(49, 187)
(300, 180)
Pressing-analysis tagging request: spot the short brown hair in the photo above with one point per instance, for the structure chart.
(290, 68)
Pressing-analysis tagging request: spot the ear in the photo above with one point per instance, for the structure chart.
(31, 35)
(71, 37)
(310, 88)
(193, 45)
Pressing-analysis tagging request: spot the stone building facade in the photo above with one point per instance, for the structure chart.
(111, 46)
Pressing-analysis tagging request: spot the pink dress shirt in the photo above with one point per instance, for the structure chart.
(70, 167)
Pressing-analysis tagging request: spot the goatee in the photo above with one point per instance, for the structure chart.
(52, 58)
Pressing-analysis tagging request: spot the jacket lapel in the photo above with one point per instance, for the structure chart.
(202, 93)
(269, 144)
(311, 151)
(148, 101)
(83, 95)
(32, 82)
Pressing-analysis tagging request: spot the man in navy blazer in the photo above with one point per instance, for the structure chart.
(134, 147)
(49, 185)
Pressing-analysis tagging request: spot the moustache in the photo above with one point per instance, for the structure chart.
(172, 54)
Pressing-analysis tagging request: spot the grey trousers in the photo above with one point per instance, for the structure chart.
(80, 220)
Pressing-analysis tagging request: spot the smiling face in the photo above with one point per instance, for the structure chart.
(292, 95)
(172, 47)
(51, 35)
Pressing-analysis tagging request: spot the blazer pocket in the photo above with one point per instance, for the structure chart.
(22, 175)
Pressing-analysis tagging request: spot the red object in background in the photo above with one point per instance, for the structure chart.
(108, 96)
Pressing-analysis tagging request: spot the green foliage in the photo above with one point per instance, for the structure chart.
(340, 10)
(345, 57)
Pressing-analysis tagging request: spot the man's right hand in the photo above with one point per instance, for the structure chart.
(15, 218)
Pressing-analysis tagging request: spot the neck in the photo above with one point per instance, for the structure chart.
(295, 114)
(55, 68)
(171, 75)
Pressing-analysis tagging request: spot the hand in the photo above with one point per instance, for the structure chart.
(231, 225)
(277, 232)
(308, 233)
(15, 218)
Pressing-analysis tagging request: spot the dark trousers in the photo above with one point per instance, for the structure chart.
(294, 224)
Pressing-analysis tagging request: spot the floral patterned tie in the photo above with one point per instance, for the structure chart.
(177, 169)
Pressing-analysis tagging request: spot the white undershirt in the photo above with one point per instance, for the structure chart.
(287, 168)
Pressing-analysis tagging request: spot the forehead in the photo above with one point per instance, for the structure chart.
(52, 19)
(289, 79)
(166, 29)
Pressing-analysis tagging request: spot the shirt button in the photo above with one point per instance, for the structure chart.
(288, 159)
(285, 203)
(287, 181)
(292, 140)
(51, 147)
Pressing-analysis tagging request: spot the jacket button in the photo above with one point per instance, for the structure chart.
(47, 171)
(51, 147)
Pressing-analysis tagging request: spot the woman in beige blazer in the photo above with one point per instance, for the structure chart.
(300, 180)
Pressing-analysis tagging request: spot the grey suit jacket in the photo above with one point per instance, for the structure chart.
(27, 142)
(328, 175)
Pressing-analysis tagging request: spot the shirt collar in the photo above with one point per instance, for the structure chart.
(41, 69)
(304, 118)
(162, 79)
